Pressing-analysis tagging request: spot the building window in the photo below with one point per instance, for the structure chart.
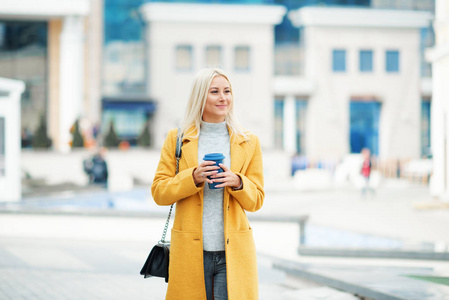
(392, 61)
(279, 123)
(2, 147)
(213, 56)
(24, 56)
(427, 41)
(301, 113)
(114, 55)
(184, 57)
(425, 127)
(339, 60)
(242, 57)
(366, 61)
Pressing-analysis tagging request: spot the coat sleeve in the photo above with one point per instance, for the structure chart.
(252, 194)
(169, 187)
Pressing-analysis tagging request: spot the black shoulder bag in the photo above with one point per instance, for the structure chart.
(159, 257)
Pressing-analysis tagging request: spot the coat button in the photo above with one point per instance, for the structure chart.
(228, 207)
(227, 241)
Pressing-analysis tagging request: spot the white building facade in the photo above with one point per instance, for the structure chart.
(183, 38)
(357, 60)
(439, 55)
(74, 33)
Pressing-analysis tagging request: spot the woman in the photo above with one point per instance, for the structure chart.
(212, 251)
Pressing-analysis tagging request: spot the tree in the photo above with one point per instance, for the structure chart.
(111, 139)
(144, 139)
(40, 137)
(77, 137)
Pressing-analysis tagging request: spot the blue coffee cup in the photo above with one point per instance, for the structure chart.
(218, 159)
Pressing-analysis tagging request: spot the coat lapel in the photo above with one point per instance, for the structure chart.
(238, 154)
(190, 149)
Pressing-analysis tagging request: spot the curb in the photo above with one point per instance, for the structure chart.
(87, 212)
(373, 253)
(301, 270)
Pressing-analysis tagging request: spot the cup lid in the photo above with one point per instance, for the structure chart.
(214, 156)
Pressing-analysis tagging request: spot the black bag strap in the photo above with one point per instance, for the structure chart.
(178, 157)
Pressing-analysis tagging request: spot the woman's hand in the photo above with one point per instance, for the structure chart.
(205, 169)
(227, 178)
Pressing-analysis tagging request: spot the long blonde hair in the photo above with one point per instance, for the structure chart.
(197, 102)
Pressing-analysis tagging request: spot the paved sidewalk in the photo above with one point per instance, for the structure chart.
(55, 257)
(390, 213)
(89, 257)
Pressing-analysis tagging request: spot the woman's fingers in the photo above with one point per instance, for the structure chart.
(209, 169)
(226, 178)
(224, 167)
(205, 169)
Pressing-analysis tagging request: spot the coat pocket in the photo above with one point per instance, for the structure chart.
(186, 279)
(242, 264)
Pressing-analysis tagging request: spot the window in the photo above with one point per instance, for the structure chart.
(213, 56)
(425, 126)
(392, 61)
(242, 58)
(427, 41)
(114, 55)
(301, 113)
(2, 146)
(366, 61)
(2, 34)
(279, 123)
(184, 58)
(339, 60)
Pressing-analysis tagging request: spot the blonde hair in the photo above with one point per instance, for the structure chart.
(195, 106)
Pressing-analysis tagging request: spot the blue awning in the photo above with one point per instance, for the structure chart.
(146, 105)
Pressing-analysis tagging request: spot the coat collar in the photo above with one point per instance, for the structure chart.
(190, 150)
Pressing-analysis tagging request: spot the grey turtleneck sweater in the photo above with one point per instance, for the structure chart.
(214, 138)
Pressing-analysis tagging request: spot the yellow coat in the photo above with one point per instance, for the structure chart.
(186, 280)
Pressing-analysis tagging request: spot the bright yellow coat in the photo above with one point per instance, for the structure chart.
(186, 280)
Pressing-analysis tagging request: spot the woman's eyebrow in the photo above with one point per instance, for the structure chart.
(214, 87)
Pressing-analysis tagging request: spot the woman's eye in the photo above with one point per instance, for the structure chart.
(227, 92)
(214, 92)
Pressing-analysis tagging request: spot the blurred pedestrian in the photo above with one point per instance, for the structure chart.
(212, 251)
(366, 171)
(96, 168)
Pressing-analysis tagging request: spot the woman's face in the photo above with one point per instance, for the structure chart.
(219, 100)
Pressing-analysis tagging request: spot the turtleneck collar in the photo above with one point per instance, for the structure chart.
(214, 128)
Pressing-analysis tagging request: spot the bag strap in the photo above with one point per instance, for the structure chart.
(178, 157)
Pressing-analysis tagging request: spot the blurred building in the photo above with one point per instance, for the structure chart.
(55, 48)
(439, 56)
(184, 38)
(125, 102)
(368, 87)
(342, 82)
(362, 84)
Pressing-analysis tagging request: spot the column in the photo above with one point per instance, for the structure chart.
(71, 78)
(10, 175)
(439, 185)
(290, 124)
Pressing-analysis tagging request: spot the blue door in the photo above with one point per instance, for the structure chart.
(364, 126)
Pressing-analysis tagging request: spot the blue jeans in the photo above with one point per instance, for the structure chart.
(215, 275)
